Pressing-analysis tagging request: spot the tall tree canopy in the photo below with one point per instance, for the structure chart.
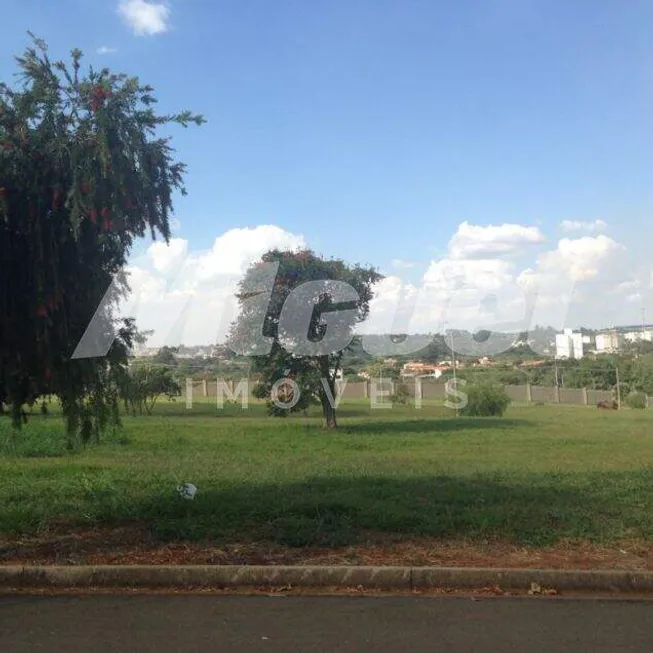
(297, 317)
(82, 175)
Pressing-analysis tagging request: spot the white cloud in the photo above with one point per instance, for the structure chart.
(580, 258)
(626, 286)
(400, 264)
(629, 291)
(588, 280)
(574, 280)
(477, 284)
(106, 50)
(475, 241)
(451, 274)
(145, 18)
(472, 286)
(391, 295)
(168, 281)
(588, 227)
(236, 249)
(167, 257)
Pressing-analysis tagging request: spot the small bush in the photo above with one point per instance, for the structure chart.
(637, 400)
(401, 394)
(485, 400)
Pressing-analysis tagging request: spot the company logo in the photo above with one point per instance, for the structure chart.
(492, 336)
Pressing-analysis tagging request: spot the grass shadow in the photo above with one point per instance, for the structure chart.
(346, 511)
(435, 425)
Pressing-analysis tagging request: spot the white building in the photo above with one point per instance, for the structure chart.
(569, 344)
(638, 336)
(607, 343)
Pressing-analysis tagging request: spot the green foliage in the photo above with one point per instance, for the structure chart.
(378, 369)
(485, 400)
(401, 395)
(637, 400)
(314, 376)
(82, 175)
(355, 358)
(166, 356)
(142, 386)
(435, 351)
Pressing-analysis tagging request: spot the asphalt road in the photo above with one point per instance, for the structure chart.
(281, 624)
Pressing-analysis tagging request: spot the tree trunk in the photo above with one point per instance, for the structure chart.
(328, 409)
(329, 413)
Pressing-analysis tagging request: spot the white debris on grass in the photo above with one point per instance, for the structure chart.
(187, 491)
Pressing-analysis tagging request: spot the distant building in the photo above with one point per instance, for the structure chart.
(569, 344)
(141, 352)
(415, 368)
(638, 336)
(608, 342)
(537, 363)
(187, 353)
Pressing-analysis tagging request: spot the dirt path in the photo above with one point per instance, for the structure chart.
(133, 545)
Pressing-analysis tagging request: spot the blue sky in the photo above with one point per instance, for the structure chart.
(374, 128)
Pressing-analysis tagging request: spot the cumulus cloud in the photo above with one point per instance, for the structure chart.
(475, 241)
(388, 308)
(105, 50)
(473, 285)
(189, 296)
(593, 226)
(476, 284)
(167, 257)
(233, 252)
(145, 18)
(580, 258)
(570, 282)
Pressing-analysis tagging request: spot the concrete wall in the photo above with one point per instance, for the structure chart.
(517, 392)
(543, 394)
(198, 388)
(435, 390)
(574, 396)
(353, 390)
(594, 396)
(385, 385)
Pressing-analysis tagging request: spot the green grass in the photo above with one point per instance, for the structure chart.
(540, 474)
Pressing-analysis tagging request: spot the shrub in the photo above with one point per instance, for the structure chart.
(485, 400)
(401, 394)
(637, 400)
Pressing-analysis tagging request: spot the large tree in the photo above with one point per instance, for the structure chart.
(297, 317)
(83, 173)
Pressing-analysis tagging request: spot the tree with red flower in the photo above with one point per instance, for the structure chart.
(87, 140)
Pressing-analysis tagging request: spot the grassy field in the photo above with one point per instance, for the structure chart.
(536, 476)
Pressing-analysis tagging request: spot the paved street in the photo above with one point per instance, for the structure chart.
(285, 624)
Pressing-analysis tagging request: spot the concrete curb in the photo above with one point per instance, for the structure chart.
(406, 578)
